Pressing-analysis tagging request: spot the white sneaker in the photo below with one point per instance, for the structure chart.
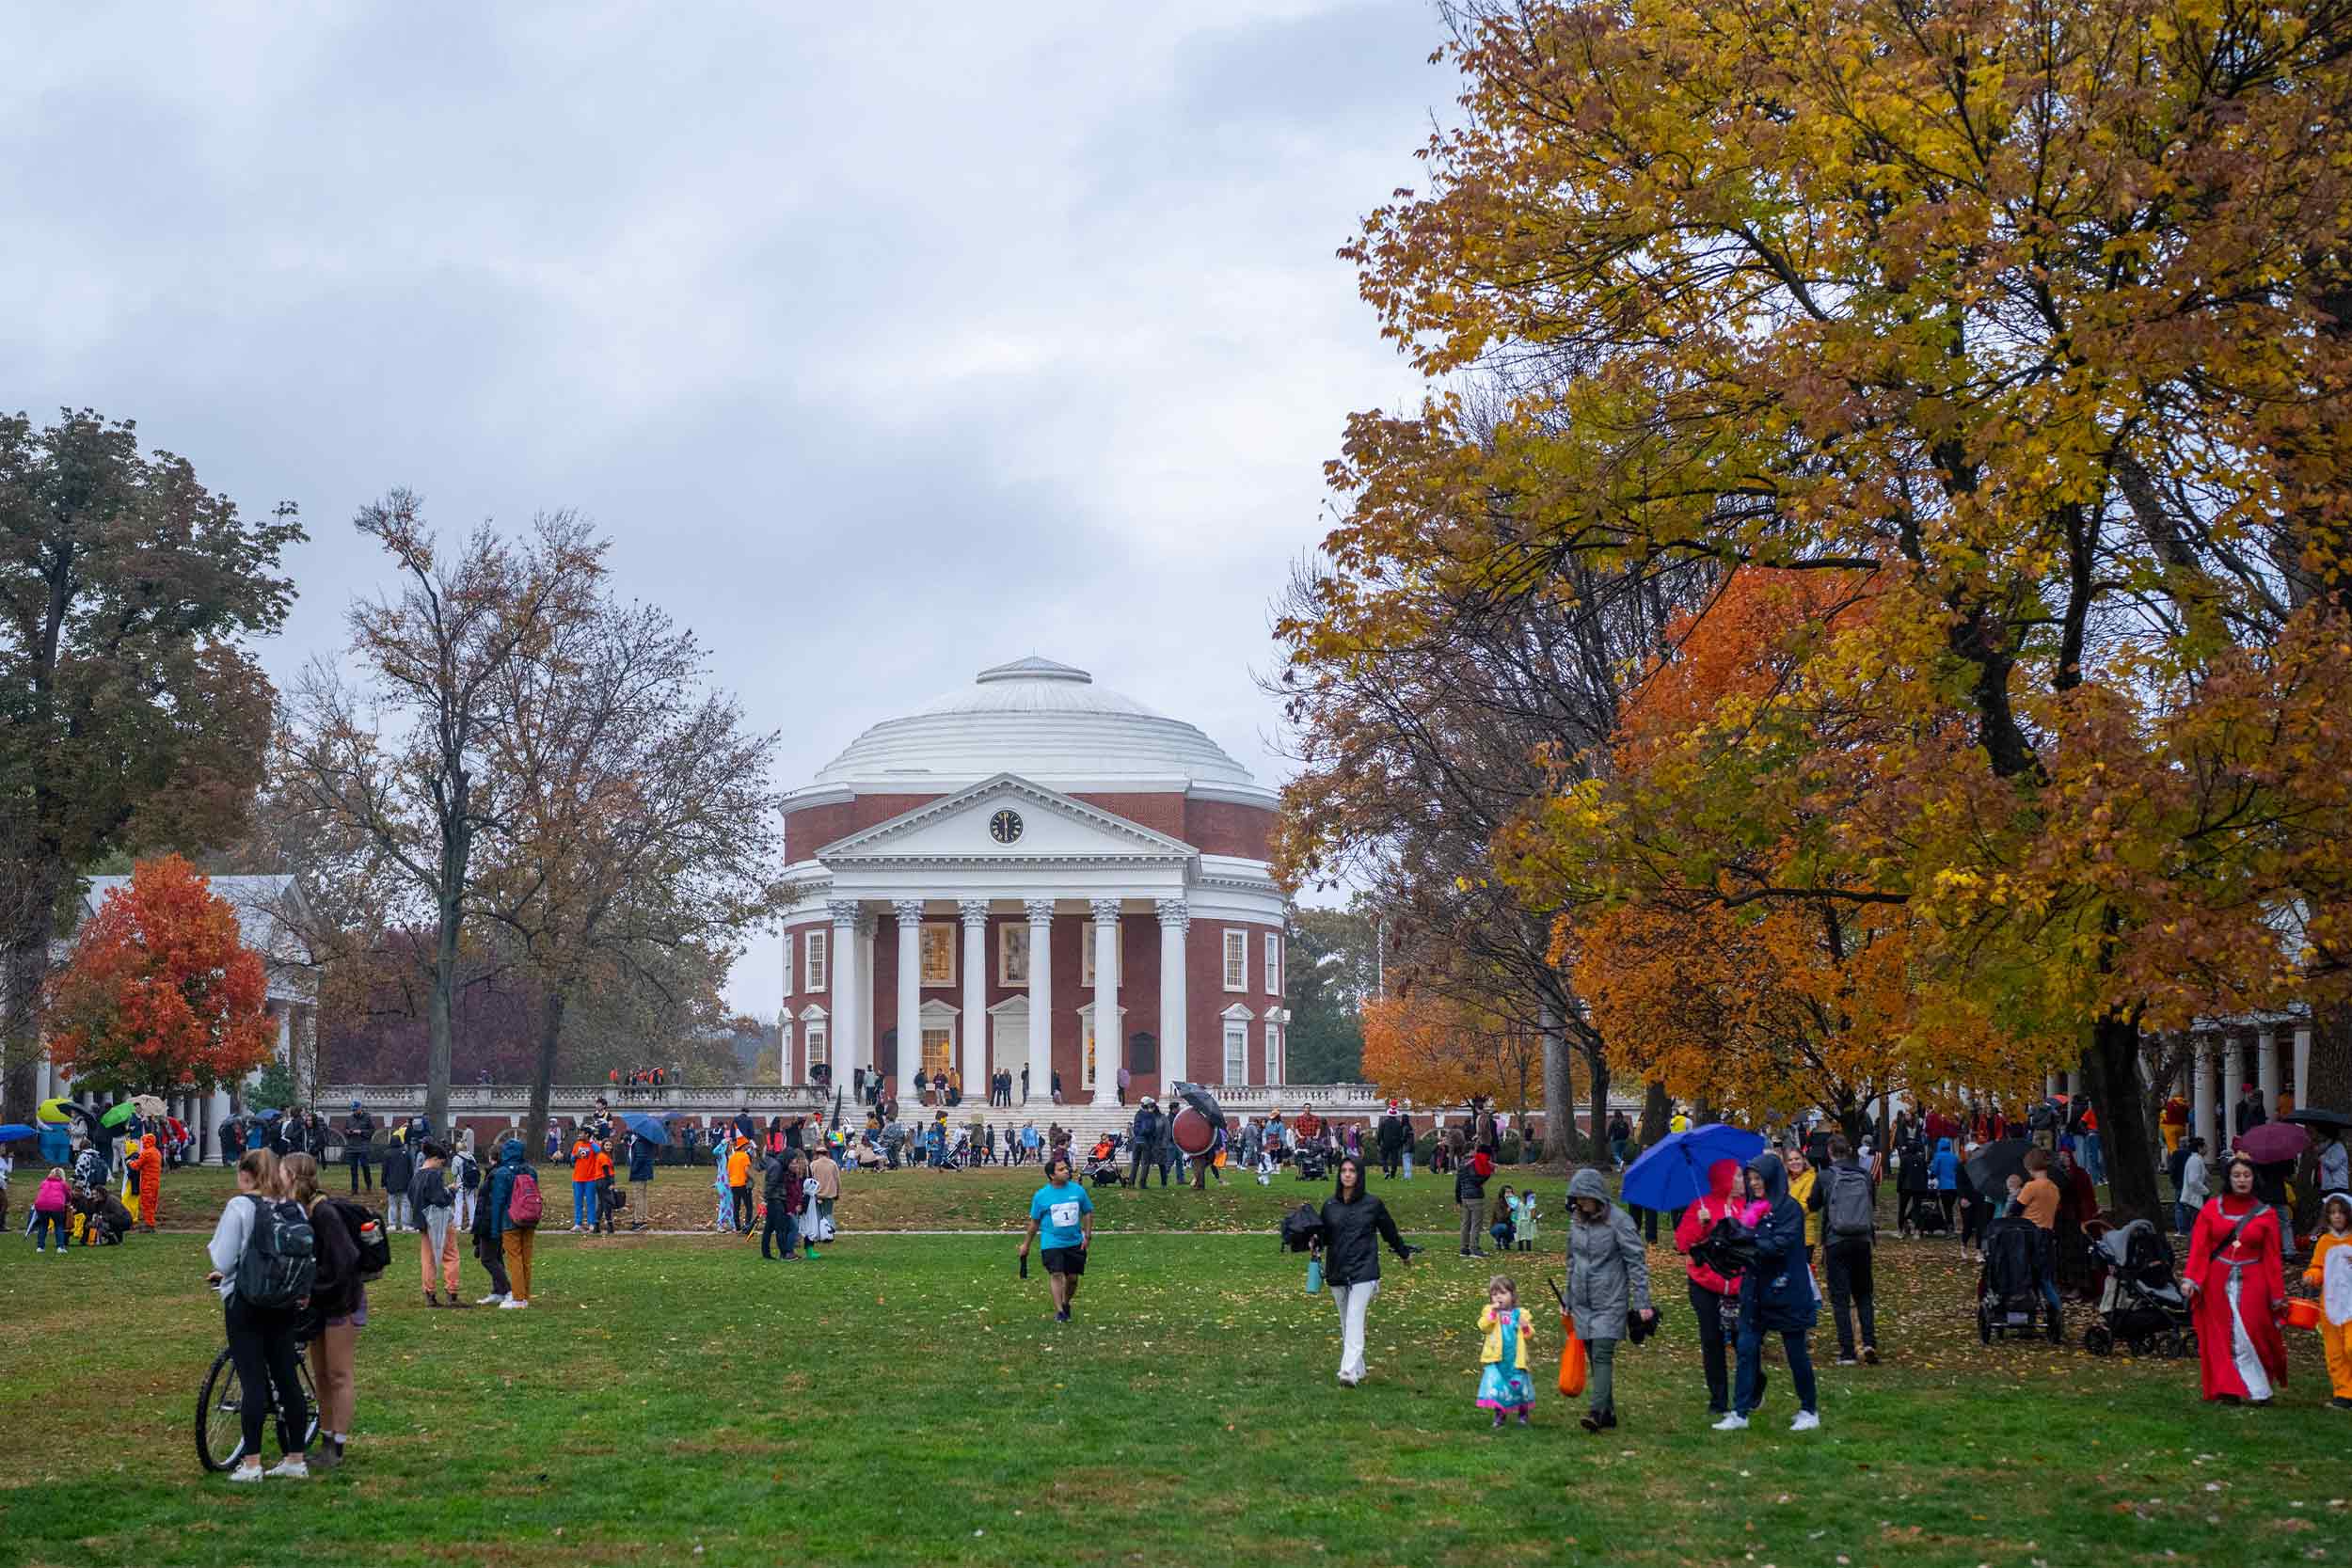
(1733, 1423)
(294, 1467)
(246, 1473)
(511, 1305)
(490, 1300)
(1806, 1420)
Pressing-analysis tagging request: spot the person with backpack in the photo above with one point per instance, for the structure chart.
(1849, 1212)
(263, 1257)
(515, 1209)
(1470, 1193)
(488, 1253)
(400, 1173)
(435, 1209)
(351, 1250)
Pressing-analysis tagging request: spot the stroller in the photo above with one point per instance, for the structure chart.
(1102, 1162)
(1307, 1163)
(2009, 1297)
(2140, 1306)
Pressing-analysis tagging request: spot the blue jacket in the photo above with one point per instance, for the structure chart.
(641, 1161)
(502, 1183)
(1946, 1166)
(1777, 1294)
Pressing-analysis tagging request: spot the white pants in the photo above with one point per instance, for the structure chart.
(1352, 1300)
(1408, 1162)
(465, 1208)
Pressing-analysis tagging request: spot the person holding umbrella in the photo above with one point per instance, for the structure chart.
(1776, 1296)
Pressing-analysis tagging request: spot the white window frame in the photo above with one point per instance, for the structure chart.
(1273, 963)
(1236, 1047)
(1006, 935)
(1274, 1065)
(1085, 956)
(943, 933)
(815, 1043)
(1236, 960)
(789, 971)
(817, 962)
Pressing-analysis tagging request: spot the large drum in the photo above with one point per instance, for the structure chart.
(1194, 1133)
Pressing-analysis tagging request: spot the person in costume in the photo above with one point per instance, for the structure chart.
(1503, 1386)
(2331, 1270)
(150, 1183)
(2236, 1286)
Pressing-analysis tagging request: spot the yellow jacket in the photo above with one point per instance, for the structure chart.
(1493, 1325)
(1801, 1188)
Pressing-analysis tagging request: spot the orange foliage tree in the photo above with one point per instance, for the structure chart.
(161, 991)
(1438, 1051)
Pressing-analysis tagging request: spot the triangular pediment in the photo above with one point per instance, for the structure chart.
(1044, 825)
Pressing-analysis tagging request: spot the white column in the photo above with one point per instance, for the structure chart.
(842, 956)
(2266, 1068)
(1041, 914)
(219, 1114)
(973, 914)
(2303, 1068)
(1175, 920)
(1108, 1049)
(2233, 1077)
(2049, 1084)
(784, 1051)
(909, 912)
(867, 1009)
(2200, 1115)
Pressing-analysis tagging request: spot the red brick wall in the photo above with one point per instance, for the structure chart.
(1223, 827)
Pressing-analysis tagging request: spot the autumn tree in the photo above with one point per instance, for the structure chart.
(1435, 1051)
(641, 835)
(402, 756)
(1330, 977)
(160, 991)
(2034, 317)
(132, 710)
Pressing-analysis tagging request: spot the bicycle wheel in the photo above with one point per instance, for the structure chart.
(220, 1416)
(309, 1399)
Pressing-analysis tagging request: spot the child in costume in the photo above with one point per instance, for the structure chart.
(2331, 1270)
(1503, 1386)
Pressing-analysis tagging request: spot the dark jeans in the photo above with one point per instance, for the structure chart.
(46, 1224)
(1136, 1169)
(2045, 1271)
(779, 1226)
(1796, 1344)
(1849, 1285)
(1708, 1308)
(1971, 1220)
(362, 1173)
(262, 1343)
(1906, 1204)
(743, 1209)
(492, 1256)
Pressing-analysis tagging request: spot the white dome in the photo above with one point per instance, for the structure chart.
(1048, 722)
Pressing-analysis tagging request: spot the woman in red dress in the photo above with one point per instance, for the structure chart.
(2236, 1284)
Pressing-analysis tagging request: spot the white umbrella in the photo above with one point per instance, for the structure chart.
(150, 1105)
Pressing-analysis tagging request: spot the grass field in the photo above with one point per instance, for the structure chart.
(908, 1401)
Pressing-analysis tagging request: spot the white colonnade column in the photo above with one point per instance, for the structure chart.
(2233, 1077)
(2200, 1117)
(869, 1041)
(1041, 914)
(973, 914)
(1107, 1045)
(1175, 920)
(910, 915)
(2266, 1068)
(2303, 1068)
(847, 1058)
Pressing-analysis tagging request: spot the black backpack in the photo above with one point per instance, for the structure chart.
(280, 1258)
(365, 1229)
(1850, 1212)
(1302, 1227)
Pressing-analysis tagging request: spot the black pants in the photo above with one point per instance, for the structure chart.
(743, 1209)
(363, 1174)
(1392, 1159)
(1849, 1263)
(779, 1226)
(262, 1343)
(1706, 1307)
(1907, 1204)
(1136, 1167)
(491, 1254)
(1971, 1220)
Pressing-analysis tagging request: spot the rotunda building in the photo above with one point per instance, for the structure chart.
(1034, 876)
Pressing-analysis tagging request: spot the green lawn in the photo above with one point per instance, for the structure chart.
(907, 1402)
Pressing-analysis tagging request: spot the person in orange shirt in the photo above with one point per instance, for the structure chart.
(604, 1188)
(2038, 1200)
(583, 1183)
(739, 1179)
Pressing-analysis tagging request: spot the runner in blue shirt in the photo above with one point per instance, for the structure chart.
(1062, 1216)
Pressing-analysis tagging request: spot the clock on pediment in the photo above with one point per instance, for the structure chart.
(1005, 826)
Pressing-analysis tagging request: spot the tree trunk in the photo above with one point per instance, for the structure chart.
(543, 1070)
(1559, 1100)
(1599, 1065)
(444, 1000)
(2331, 1060)
(2111, 1068)
(1658, 1109)
(24, 969)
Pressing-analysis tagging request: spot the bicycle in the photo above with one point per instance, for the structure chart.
(220, 1411)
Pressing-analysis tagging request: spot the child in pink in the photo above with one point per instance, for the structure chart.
(49, 1211)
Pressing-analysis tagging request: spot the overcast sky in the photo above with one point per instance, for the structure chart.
(883, 349)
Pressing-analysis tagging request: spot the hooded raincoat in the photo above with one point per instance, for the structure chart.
(1608, 1267)
(1778, 1294)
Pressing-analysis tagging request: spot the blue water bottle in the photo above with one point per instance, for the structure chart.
(1314, 1275)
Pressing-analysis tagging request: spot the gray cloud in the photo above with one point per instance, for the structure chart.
(884, 346)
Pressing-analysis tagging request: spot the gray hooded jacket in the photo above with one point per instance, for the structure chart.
(1608, 1266)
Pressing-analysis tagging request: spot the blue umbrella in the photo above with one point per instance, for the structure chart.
(646, 1127)
(17, 1129)
(1673, 1173)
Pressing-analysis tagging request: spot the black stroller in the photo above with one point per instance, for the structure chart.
(1102, 1162)
(2140, 1306)
(1307, 1163)
(2009, 1292)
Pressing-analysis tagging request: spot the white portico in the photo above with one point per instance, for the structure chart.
(1008, 924)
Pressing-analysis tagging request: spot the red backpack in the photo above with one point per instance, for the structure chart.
(522, 1201)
